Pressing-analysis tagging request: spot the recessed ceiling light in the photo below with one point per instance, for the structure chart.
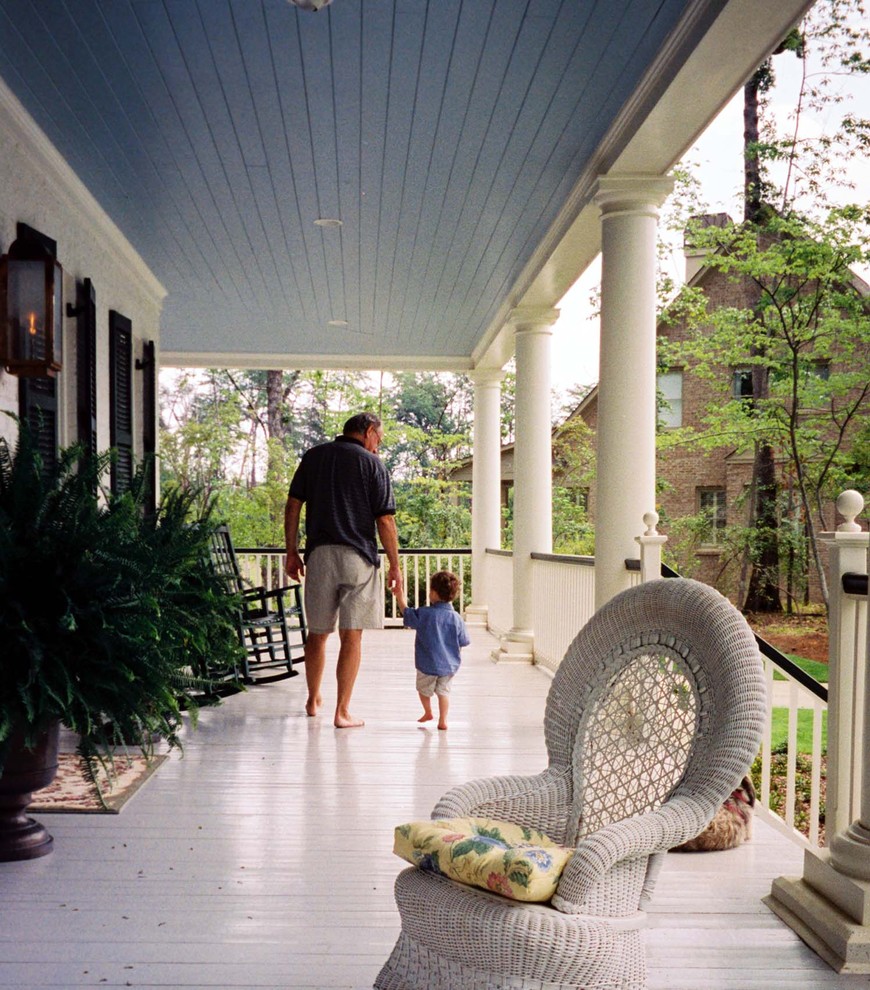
(337, 323)
(327, 222)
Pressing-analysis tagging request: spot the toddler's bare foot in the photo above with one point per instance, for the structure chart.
(312, 705)
(347, 722)
(442, 725)
(426, 717)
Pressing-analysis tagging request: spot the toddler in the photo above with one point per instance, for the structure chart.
(441, 634)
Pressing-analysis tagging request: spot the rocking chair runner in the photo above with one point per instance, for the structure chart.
(271, 623)
(652, 719)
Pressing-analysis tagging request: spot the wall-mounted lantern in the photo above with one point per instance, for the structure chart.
(31, 306)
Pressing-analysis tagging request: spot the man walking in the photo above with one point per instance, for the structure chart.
(349, 496)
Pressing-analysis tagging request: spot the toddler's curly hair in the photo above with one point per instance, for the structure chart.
(445, 584)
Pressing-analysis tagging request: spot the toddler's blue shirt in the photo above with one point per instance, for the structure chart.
(441, 634)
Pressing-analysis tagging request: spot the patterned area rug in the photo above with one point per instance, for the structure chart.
(71, 791)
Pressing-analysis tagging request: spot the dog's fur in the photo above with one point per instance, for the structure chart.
(731, 825)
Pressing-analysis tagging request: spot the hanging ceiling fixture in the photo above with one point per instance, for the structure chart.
(310, 4)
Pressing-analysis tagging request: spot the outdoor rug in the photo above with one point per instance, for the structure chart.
(71, 791)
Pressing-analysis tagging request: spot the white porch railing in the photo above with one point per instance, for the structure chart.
(265, 566)
(500, 575)
(564, 600)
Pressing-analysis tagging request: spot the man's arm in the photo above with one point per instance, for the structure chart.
(292, 511)
(390, 541)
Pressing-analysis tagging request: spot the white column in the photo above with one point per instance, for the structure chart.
(485, 488)
(829, 907)
(533, 469)
(625, 474)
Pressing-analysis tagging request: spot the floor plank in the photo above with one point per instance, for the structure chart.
(262, 857)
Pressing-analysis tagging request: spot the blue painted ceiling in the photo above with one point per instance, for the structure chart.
(444, 134)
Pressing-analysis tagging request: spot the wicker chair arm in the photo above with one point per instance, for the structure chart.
(643, 836)
(539, 801)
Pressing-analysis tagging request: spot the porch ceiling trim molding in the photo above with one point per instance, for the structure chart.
(16, 124)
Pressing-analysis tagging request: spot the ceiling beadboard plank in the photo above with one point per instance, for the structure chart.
(417, 224)
(376, 34)
(449, 157)
(346, 37)
(476, 221)
(409, 25)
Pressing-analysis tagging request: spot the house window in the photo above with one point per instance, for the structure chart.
(580, 498)
(741, 383)
(670, 386)
(711, 504)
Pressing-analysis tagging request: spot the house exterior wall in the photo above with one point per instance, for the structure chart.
(38, 188)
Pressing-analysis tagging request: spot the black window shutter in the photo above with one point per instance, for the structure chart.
(37, 406)
(148, 366)
(121, 399)
(86, 364)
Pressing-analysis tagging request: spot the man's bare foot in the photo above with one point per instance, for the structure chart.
(312, 705)
(442, 725)
(426, 717)
(347, 722)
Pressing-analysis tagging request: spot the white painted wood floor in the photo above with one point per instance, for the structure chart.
(263, 857)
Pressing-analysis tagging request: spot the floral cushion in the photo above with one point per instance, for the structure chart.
(518, 862)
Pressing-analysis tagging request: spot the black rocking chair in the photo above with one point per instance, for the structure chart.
(271, 621)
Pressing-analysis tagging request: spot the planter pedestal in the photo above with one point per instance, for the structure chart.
(24, 772)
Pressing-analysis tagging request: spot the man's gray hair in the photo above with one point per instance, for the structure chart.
(359, 425)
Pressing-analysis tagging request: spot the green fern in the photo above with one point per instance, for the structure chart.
(113, 619)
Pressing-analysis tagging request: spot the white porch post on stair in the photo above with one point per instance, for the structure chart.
(625, 474)
(829, 906)
(485, 488)
(533, 469)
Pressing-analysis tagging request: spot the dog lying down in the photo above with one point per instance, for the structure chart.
(731, 825)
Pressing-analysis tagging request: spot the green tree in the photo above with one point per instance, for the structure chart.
(808, 326)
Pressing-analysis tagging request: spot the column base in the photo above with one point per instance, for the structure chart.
(477, 616)
(828, 931)
(516, 647)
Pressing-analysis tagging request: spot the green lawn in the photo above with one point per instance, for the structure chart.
(812, 667)
(779, 732)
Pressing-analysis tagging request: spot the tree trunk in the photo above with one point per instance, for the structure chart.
(275, 405)
(763, 592)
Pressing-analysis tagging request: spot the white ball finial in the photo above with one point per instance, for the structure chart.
(651, 520)
(850, 504)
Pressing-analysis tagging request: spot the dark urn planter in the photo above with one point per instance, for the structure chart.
(24, 772)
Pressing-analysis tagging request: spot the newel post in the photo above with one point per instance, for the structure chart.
(829, 907)
(651, 544)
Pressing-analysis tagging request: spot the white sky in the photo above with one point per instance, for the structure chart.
(719, 159)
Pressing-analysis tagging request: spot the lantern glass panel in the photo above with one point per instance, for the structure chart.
(57, 336)
(26, 306)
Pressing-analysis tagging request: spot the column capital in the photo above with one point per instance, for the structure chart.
(525, 319)
(632, 194)
(486, 376)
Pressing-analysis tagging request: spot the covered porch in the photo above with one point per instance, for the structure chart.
(262, 858)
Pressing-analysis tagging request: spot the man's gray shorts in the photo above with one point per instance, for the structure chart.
(340, 586)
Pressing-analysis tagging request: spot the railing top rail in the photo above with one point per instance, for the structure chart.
(780, 660)
(565, 558)
(403, 551)
(500, 553)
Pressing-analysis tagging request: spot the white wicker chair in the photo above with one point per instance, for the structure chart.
(652, 719)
